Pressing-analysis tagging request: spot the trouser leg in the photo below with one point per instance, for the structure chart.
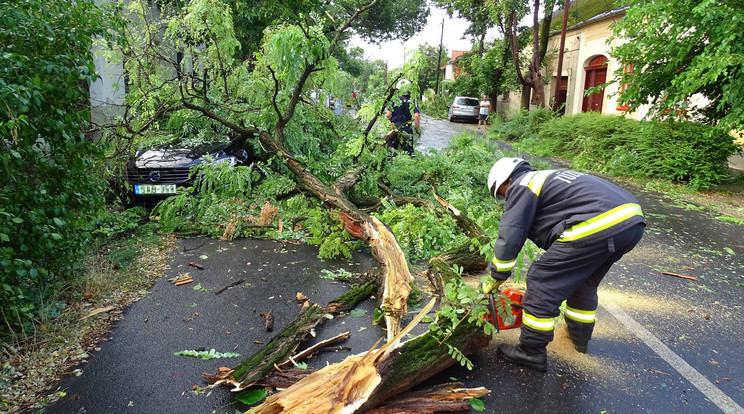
(569, 270)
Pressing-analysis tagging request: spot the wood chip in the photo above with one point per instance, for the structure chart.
(300, 297)
(657, 371)
(269, 317)
(183, 280)
(196, 265)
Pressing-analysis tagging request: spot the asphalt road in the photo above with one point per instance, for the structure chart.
(663, 344)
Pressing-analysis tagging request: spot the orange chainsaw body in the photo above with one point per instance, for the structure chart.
(504, 299)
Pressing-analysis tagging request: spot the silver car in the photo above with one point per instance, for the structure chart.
(464, 107)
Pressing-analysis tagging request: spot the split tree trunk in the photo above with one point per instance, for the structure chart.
(362, 382)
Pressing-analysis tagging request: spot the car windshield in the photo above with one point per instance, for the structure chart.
(468, 102)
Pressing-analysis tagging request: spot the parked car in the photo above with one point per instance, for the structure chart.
(155, 174)
(464, 108)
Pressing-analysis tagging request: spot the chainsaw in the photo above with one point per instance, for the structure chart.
(505, 299)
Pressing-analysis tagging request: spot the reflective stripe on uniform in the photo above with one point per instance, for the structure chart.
(601, 222)
(540, 324)
(503, 266)
(580, 315)
(534, 180)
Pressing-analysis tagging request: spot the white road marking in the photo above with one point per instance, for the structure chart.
(715, 395)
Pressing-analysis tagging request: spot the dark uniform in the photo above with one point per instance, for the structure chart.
(585, 224)
(401, 117)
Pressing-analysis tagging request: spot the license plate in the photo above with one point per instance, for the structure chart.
(149, 189)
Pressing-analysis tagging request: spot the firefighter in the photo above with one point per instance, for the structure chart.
(584, 224)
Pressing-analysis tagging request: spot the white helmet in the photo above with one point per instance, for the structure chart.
(500, 172)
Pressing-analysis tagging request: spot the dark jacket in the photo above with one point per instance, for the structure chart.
(560, 205)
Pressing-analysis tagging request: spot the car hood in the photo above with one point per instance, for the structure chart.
(168, 158)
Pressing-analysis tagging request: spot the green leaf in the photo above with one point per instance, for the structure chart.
(251, 396)
(477, 404)
(17, 220)
(59, 221)
(357, 312)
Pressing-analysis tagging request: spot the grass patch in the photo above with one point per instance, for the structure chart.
(118, 274)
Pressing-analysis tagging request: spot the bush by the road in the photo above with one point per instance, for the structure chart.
(687, 152)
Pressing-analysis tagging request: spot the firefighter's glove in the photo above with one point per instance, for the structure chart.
(495, 278)
(491, 284)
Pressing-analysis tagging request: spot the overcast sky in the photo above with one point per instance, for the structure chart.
(393, 51)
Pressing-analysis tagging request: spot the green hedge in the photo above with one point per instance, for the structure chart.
(51, 190)
(687, 152)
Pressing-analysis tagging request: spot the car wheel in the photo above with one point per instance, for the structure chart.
(451, 119)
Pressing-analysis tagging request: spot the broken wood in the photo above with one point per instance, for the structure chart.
(679, 276)
(269, 317)
(196, 265)
(317, 347)
(261, 363)
(183, 281)
(233, 284)
(350, 299)
(657, 371)
(450, 397)
(361, 382)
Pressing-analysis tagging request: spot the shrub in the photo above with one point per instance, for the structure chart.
(688, 152)
(52, 184)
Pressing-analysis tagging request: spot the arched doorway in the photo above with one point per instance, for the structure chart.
(596, 74)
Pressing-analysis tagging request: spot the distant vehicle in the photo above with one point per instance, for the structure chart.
(464, 108)
(156, 174)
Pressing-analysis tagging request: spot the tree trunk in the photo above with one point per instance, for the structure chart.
(361, 382)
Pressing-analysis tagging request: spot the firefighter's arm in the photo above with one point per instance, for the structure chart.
(513, 229)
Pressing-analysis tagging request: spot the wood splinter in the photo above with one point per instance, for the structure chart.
(317, 347)
(269, 317)
(678, 275)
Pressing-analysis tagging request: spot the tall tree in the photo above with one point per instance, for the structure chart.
(675, 49)
(430, 69)
(532, 81)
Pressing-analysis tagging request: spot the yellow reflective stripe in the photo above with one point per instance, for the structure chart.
(534, 180)
(601, 222)
(540, 324)
(580, 315)
(503, 266)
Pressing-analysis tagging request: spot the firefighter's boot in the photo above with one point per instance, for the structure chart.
(579, 333)
(530, 357)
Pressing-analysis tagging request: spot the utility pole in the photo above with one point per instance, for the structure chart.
(439, 60)
(559, 77)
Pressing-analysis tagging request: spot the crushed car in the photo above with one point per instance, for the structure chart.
(155, 174)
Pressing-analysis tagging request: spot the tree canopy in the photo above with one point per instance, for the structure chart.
(680, 48)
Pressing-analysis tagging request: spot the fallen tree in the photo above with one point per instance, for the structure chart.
(295, 58)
